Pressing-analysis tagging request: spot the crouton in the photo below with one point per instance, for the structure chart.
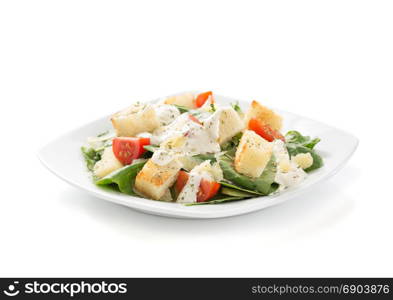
(186, 100)
(107, 164)
(153, 180)
(230, 124)
(135, 119)
(167, 197)
(252, 154)
(265, 115)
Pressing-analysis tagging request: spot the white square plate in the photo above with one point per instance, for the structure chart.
(63, 157)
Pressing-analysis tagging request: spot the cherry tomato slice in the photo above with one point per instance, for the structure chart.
(207, 189)
(143, 141)
(265, 130)
(181, 181)
(126, 149)
(193, 118)
(202, 98)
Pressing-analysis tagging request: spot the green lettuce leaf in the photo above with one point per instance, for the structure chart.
(232, 143)
(297, 143)
(150, 148)
(273, 187)
(236, 107)
(216, 200)
(91, 157)
(103, 133)
(124, 178)
(181, 108)
(203, 157)
(297, 138)
(262, 184)
(233, 186)
(236, 193)
(265, 181)
(294, 149)
(228, 195)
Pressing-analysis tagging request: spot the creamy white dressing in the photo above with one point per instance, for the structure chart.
(217, 172)
(280, 151)
(204, 115)
(197, 138)
(163, 157)
(166, 113)
(200, 140)
(291, 177)
(177, 127)
(100, 141)
(212, 124)
(191, 188)
(207, 106)
(205, 170)
(145, 135)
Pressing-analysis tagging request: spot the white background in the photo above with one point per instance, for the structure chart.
(65, 63)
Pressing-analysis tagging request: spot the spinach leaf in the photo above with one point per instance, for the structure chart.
(173, 192)
(124, 178)
(294, 149)
(91, 157)
(228, 194)
(232, 186)
(103, 133)
(204, 157)
(150, 148)
(265, 181)
(149, 151)
(297, 143)
(297, 138)
(232, 143)
(273, 187)
(261, 184)
(236, 193)
(215, 201)
(230, 174)
(236, 107)
(201, 157)
(181, 108)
